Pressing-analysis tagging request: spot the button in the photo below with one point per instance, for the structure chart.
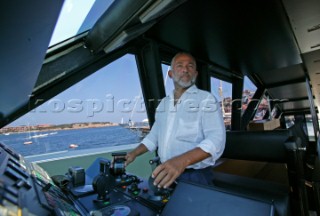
(145, 190)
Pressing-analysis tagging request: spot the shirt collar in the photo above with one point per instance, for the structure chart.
(192, 89)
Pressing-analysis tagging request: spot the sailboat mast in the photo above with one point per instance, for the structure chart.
(222, 98)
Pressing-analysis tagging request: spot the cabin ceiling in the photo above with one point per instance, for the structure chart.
(248, 36)
(304, 17)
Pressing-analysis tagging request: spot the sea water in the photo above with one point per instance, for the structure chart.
(54, 141)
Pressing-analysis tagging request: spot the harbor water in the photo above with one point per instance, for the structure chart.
(35, 143)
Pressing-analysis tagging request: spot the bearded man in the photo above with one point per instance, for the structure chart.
(188, 132)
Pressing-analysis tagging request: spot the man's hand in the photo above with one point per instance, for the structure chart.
(130, 157)
(165, 174)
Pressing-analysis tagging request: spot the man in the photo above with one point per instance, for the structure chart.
(189, 131)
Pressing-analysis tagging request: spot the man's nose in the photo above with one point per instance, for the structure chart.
(185, 69)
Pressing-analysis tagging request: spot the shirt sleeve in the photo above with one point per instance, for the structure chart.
(213, 129)
(151, 140)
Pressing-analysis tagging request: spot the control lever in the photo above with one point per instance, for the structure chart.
(104, 182)
(159, 193)
(118, 163)
(118, 169)
(154, 162)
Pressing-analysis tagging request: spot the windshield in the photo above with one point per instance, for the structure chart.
(76, 17)
(104, 110)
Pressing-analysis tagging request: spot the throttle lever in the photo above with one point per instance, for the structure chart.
(154, 162)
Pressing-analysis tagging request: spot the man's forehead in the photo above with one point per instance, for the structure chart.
(184, 58)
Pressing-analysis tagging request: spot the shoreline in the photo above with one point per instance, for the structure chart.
(73, 126)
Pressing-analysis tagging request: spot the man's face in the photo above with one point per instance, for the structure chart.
(183, 71)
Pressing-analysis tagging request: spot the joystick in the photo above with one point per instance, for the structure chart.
(119, 171)
(118, 167)
(101, 186)
(104, 182)
(159, 194)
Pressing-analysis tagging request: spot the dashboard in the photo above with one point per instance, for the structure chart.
(105, 189)
(27, 189)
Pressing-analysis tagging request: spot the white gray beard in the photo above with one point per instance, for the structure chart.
(184, 84)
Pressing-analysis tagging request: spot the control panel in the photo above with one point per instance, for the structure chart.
(103, 189)
(115, 191)
(19, 186)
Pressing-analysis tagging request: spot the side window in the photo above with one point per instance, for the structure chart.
(248, 91)
(310, 129)
(262, 108)
(223, 92)
(307, 124)
(289, 119)
(105, 109)
(275, 112)
(168, 83)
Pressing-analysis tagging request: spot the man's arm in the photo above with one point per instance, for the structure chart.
(149, 143)
(131, 156)
(165, 174)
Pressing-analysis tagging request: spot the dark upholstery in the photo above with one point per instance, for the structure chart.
(265, 191)
(277, 146)
(256, 145)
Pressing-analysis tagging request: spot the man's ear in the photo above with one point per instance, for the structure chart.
(170, 73)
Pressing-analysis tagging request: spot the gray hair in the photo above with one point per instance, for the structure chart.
(182, 53)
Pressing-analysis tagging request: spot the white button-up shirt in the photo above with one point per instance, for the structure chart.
(195, 121)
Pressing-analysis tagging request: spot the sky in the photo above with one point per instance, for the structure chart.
(112, 94)
(76, 17)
